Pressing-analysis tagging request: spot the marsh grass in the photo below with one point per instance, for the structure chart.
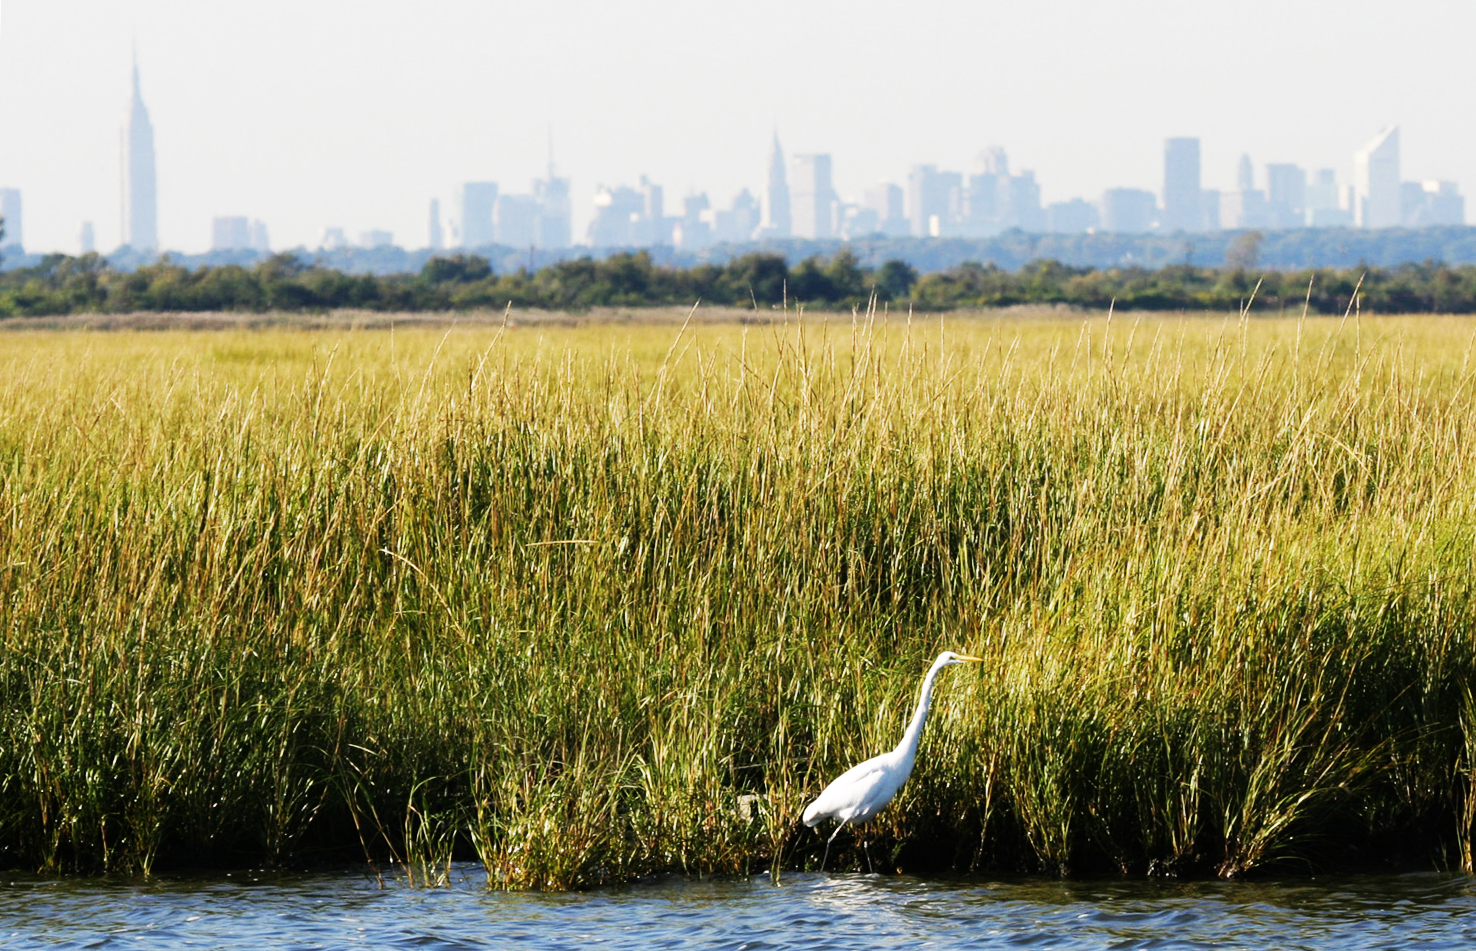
(587, 603)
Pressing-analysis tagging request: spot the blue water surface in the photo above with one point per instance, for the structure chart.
(809, 910)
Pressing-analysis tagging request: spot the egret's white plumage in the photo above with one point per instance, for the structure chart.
(864, 790)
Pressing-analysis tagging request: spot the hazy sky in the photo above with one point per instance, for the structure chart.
(307, 113)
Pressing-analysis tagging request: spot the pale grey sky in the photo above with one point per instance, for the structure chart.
(306, 113)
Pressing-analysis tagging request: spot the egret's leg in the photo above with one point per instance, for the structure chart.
(866, 847)
(839, 826)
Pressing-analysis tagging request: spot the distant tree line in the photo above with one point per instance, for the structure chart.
(62, 285)
(1413, 288)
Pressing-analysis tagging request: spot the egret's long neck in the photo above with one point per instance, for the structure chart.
(908, 747)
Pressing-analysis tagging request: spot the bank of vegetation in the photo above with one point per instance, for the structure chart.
(765, 282)
(587, 604)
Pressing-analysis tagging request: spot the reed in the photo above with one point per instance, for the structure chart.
(593, 602)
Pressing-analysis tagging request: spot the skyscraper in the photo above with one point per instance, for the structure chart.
(737, 223)
(10, 210)
(1183, 205)
(238, 233)
(886, 200)
(230, 233)
(653, 200)
(333, 239)
(927, 200)
(1245, 206)
(995, 200)
(814, 197)
(982, 196)
(619, 216)
(653, 227)
(1128, 210)
(477, 200)
(1376, 180)
(1323, 205)
(1286, 195)
(694, 228)
(515, 220)
(1020, 202)
(140, 202)
(1209, 204)
(554, 228)
(437, 238)
(1245, 174)
(1438, 203)
(1071, 217)
(776, 221)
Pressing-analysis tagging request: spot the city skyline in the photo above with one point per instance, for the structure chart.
(801, 202)
(988, 201)
(359, 115)
(936, 203)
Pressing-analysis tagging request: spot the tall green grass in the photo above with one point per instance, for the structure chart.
(595, 602)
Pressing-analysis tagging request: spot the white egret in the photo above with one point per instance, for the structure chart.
(864, 790)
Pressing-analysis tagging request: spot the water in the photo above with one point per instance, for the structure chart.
(806, 911)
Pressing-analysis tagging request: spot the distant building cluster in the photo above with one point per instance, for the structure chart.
(800, 200)
(1291, 198)
(238, 233)
(484, 216)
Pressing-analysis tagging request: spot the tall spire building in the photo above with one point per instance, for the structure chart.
(554, 227)
(140, 203)
(776, 222)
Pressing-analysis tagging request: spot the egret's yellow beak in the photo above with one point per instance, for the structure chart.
(972, 660)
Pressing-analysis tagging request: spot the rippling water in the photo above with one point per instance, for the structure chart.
(805, 911)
